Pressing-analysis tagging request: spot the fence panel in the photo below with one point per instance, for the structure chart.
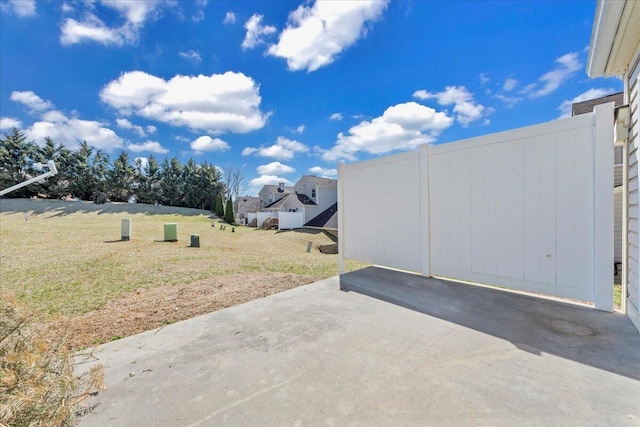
(528, 209)
(290, 220)
(263, 216)
(380, 205)
(517, 209)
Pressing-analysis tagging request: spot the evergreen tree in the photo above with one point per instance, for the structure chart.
(56, 186)
(82, 183)
(228, 214)
(121, 178)
(219, 211)
(171, 183)
(100, 174)
(192, 196)
(149, 190)
(210, 185)
(15, 159)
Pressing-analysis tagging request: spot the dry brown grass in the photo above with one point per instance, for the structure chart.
(38, 386)
(67, 259)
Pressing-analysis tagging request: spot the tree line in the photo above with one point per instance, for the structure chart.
(89, 174)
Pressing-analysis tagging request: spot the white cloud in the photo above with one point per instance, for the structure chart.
(208, 144)
(484, 78)
(335, 117)
(229, 18)
(274, 168)
(126, 124)
(71, 131)
(151, 129)
(92, 28)
(192, 56)
(509, 84)
(143, 161)
(151, 146)
(256, 31)
(32, 101)
(511, 101)
(466, 109)
(318, 170)
(565, 107)
(9, 123)
(20, 8)
(199, 16)
(567, 66)
(300, 129)
(215, 104)
(401, 127)
(283, 149)
(316, 34)
(268, 180)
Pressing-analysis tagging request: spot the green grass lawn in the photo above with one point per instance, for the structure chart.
(617, 296)
(67, 258)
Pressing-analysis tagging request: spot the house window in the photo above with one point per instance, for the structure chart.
(313, 193)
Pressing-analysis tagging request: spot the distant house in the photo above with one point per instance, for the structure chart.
(272, 193)
(316, 198)
(322, 195)
(247, 205)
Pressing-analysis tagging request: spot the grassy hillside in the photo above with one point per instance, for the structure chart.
(67, 257)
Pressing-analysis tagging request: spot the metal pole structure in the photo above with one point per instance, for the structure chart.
(52, 171)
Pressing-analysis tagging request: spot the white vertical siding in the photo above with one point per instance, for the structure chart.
(617, 167)
(528, 209)
(380, 211)
(517, 209)
(617, 226)
(633, 288)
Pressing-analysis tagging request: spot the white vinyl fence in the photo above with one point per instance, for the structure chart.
(528, 209)
(263, 216)
(251, 216)
(290, 220)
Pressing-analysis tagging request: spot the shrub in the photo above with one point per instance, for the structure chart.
(228, 214)
(38, 386)
(100, 199)
(219, 211)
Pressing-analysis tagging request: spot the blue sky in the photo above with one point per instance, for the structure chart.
(287, 88)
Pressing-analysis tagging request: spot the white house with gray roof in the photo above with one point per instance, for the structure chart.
(314, 196)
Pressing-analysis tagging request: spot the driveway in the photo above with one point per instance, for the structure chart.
(390, 348)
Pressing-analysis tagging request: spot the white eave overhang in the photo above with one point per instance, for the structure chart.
(615, 37)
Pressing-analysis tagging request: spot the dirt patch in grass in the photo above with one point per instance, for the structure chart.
(150, 308)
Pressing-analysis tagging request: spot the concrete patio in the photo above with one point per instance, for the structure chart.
(389, 349)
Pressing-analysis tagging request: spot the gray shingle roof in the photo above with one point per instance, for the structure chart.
(325, 182)
(278, 202)
(248, 204)
(587, 106)
(305, 200)
(274, 189)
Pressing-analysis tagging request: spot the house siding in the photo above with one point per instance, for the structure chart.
(617, 167)
(325, 197)
(633, 287)
(617, 226)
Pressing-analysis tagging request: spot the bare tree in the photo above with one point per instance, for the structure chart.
(235, 182)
